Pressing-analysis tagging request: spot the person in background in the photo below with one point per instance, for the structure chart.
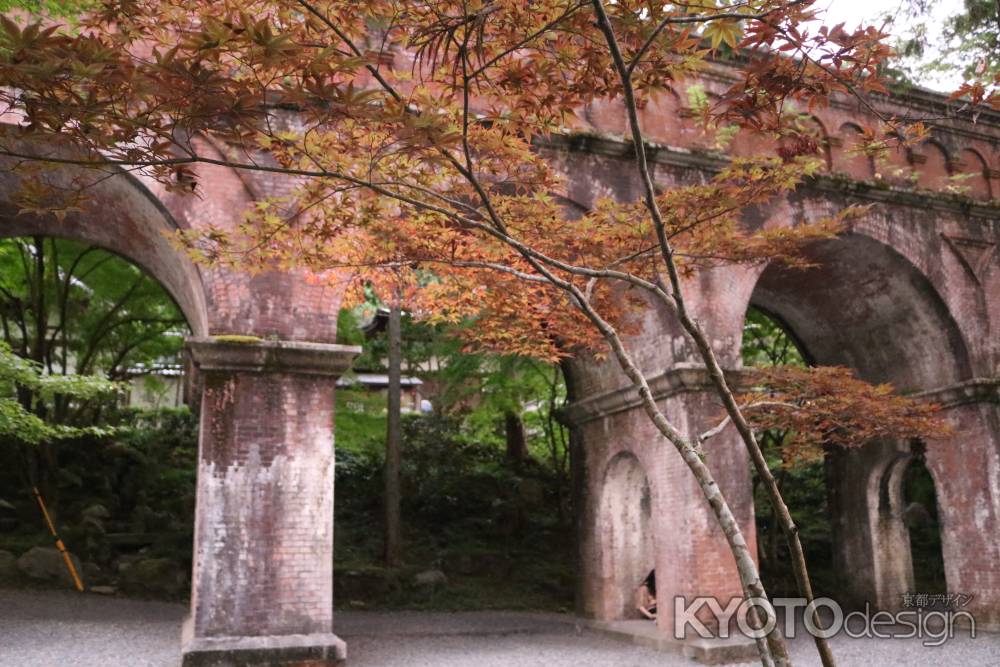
(645, 596)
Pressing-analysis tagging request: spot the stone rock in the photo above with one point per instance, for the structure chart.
(103, 590)
(532, 492)
(354, 584)
(154, 576)
(91, 571)
(47, 564)
(94, 517)
(8, 565)
(125, 562)
(8, 516)
(431, 579)
(96, 511)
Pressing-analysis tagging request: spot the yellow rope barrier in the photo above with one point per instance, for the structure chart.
(59, 542)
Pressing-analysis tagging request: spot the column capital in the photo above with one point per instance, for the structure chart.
(682, 377)
(246, 354)
(975, 390)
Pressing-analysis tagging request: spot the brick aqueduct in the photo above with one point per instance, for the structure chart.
(910, 296)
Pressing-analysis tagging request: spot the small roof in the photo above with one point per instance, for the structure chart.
(160, 368)
(376, 379)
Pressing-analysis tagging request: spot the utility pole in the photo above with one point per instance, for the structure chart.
(392, 555)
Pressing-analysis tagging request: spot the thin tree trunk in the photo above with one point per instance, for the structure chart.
(775, 639)
(774, 650)
(517, 443)
(392, 554)
(775, 524)
(41, 315)
(788, 527)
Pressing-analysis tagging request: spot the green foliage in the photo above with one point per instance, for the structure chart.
(804, 489)
(25, 392)
(966, 40)
(78, 309)
(467, 512)
(53, 8)
(697, 98)
(921, 516)
(360, 421)
(767, 343)
(349, 327)
(477, 388)
(135, 479)
(72, 316)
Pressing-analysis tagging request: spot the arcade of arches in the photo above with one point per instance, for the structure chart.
(910, 296)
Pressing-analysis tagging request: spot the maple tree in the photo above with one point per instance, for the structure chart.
(411, 129)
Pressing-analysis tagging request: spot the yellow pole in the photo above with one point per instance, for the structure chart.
(59, 542)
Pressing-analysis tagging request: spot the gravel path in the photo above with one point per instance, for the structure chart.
(48, 629)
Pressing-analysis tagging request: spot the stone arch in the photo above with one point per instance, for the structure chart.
(866, 306)
(626, 536)
(120, 215)
(661, 117)
(265, 446)
(869, 510)
(973, 165)
(933, 165)
(846, 156)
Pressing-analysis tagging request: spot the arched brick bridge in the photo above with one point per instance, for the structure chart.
(910, 296)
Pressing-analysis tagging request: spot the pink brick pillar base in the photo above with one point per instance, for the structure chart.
(262, 585)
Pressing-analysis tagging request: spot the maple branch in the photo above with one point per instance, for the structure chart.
(309, 7)
(718, 428)
(775, 640)
(388, 87)
(530, 38)
(701, 18)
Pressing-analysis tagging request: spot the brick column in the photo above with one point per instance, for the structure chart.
(262, 585)
(691, 555)
(966, 470)
(872, 544)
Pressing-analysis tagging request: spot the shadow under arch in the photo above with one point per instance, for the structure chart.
(863, 305)
(120, 215)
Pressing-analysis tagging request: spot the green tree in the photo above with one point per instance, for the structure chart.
(72, 318)
(767, 344)
(78, 309)
(968, 40)
(27, 395)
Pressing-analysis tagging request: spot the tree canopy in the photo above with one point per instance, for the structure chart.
(966, 41)
(414, 134)
(78, 309)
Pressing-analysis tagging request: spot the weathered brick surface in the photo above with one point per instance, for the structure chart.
(263, 559)
(910, 296)
(265, 525)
